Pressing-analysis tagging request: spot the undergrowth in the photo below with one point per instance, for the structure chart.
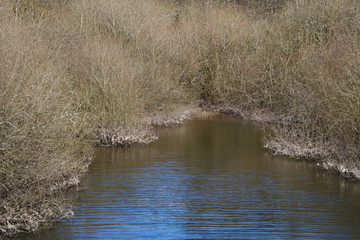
(75, 73)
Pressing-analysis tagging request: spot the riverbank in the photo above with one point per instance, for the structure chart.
(74, 74)
(179, 182)
(142, 134)
(278, 140)
(281, 141)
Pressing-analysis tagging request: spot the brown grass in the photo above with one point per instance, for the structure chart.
(75, 73)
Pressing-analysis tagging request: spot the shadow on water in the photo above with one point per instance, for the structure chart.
(209, 179)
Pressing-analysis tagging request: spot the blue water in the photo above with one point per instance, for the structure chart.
(209, 179)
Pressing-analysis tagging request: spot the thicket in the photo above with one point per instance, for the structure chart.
(75, 73)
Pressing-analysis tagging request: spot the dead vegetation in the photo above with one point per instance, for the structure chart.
(76, 73)
(123, 137)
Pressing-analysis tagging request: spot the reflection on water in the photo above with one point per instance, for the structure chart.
(209, 179)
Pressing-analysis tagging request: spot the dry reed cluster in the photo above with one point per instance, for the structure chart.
(73, 72)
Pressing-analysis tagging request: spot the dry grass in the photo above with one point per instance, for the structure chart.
(76, 72)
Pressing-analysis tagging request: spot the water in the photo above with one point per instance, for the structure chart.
(209, 179)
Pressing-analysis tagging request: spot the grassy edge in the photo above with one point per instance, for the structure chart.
(280, 142)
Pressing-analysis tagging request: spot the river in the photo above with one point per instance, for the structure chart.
(209, 179)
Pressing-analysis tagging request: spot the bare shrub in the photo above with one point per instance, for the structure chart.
(78, 73)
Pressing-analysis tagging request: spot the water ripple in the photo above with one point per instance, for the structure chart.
(212, 181)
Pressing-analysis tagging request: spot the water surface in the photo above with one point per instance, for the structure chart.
(209, 179)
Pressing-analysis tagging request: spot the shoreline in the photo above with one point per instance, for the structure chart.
(318, 154)
(321, 153)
